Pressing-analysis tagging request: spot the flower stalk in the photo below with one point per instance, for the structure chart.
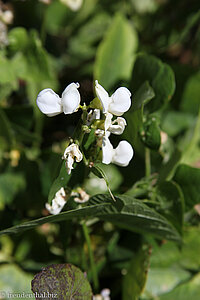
(91, 257)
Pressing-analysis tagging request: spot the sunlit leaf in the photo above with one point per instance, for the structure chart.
(116, 53)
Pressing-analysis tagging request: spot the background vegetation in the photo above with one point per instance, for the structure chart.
(152, 47)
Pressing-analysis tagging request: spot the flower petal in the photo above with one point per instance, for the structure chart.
(123, 154)
(57, 203)
(73, 4)
(121, 101)
(108, 121)
(103, 96)
(119, 127)
(71, 98)
(107, 151)
(49, 102)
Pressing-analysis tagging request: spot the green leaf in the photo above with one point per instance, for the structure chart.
(81, 213)
(185, 291)
(134, 116)
(190, 99)
(150, 134)
(99, 172)
(59, 182)
(18, 39)
(171, 199)
(134, 280)
(142, 96)
(94, 185)
(188, 179)
(163, 280)
(8, 180)
(158, 74)
(175, 122)
(191, 144)
(126, 212)
(167, 170)
(13, 280)
(131, 214)
(115, 53)
(168, 255)
(64, 281)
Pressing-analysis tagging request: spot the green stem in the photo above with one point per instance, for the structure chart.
(147, 162)
(91, 256)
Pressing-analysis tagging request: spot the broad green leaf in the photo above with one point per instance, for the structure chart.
(175, 122)
(81, 213)
(10, 185)
(191, 144)
(188, 179)
(7, 74)
(131, 214)
(185, 291)
(189, 256)
(82, 46)
(13, 280)
(133, 131)
(171, 199)
(142, 96)
(163, 280)
(168, 255)
(167, 170)
(126, 212)
(134, 116)
(115, 53)
(134, 280)
(190, 100)
(64, 281)
(159, 75)
(59, 182)
(18, 39)
(150, 134)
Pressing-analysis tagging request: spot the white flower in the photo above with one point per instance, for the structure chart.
(105, 295)
(51, 104)
(57, 203)
(93, 115)
(73, 4)
(116, 127)
(118, 103)
(72, 153)
(80, 196)
(120, 156)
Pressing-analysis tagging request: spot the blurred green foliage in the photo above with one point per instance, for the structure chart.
(152, 47)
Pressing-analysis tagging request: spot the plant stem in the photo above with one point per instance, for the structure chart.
(91, 256)
(147, 162)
